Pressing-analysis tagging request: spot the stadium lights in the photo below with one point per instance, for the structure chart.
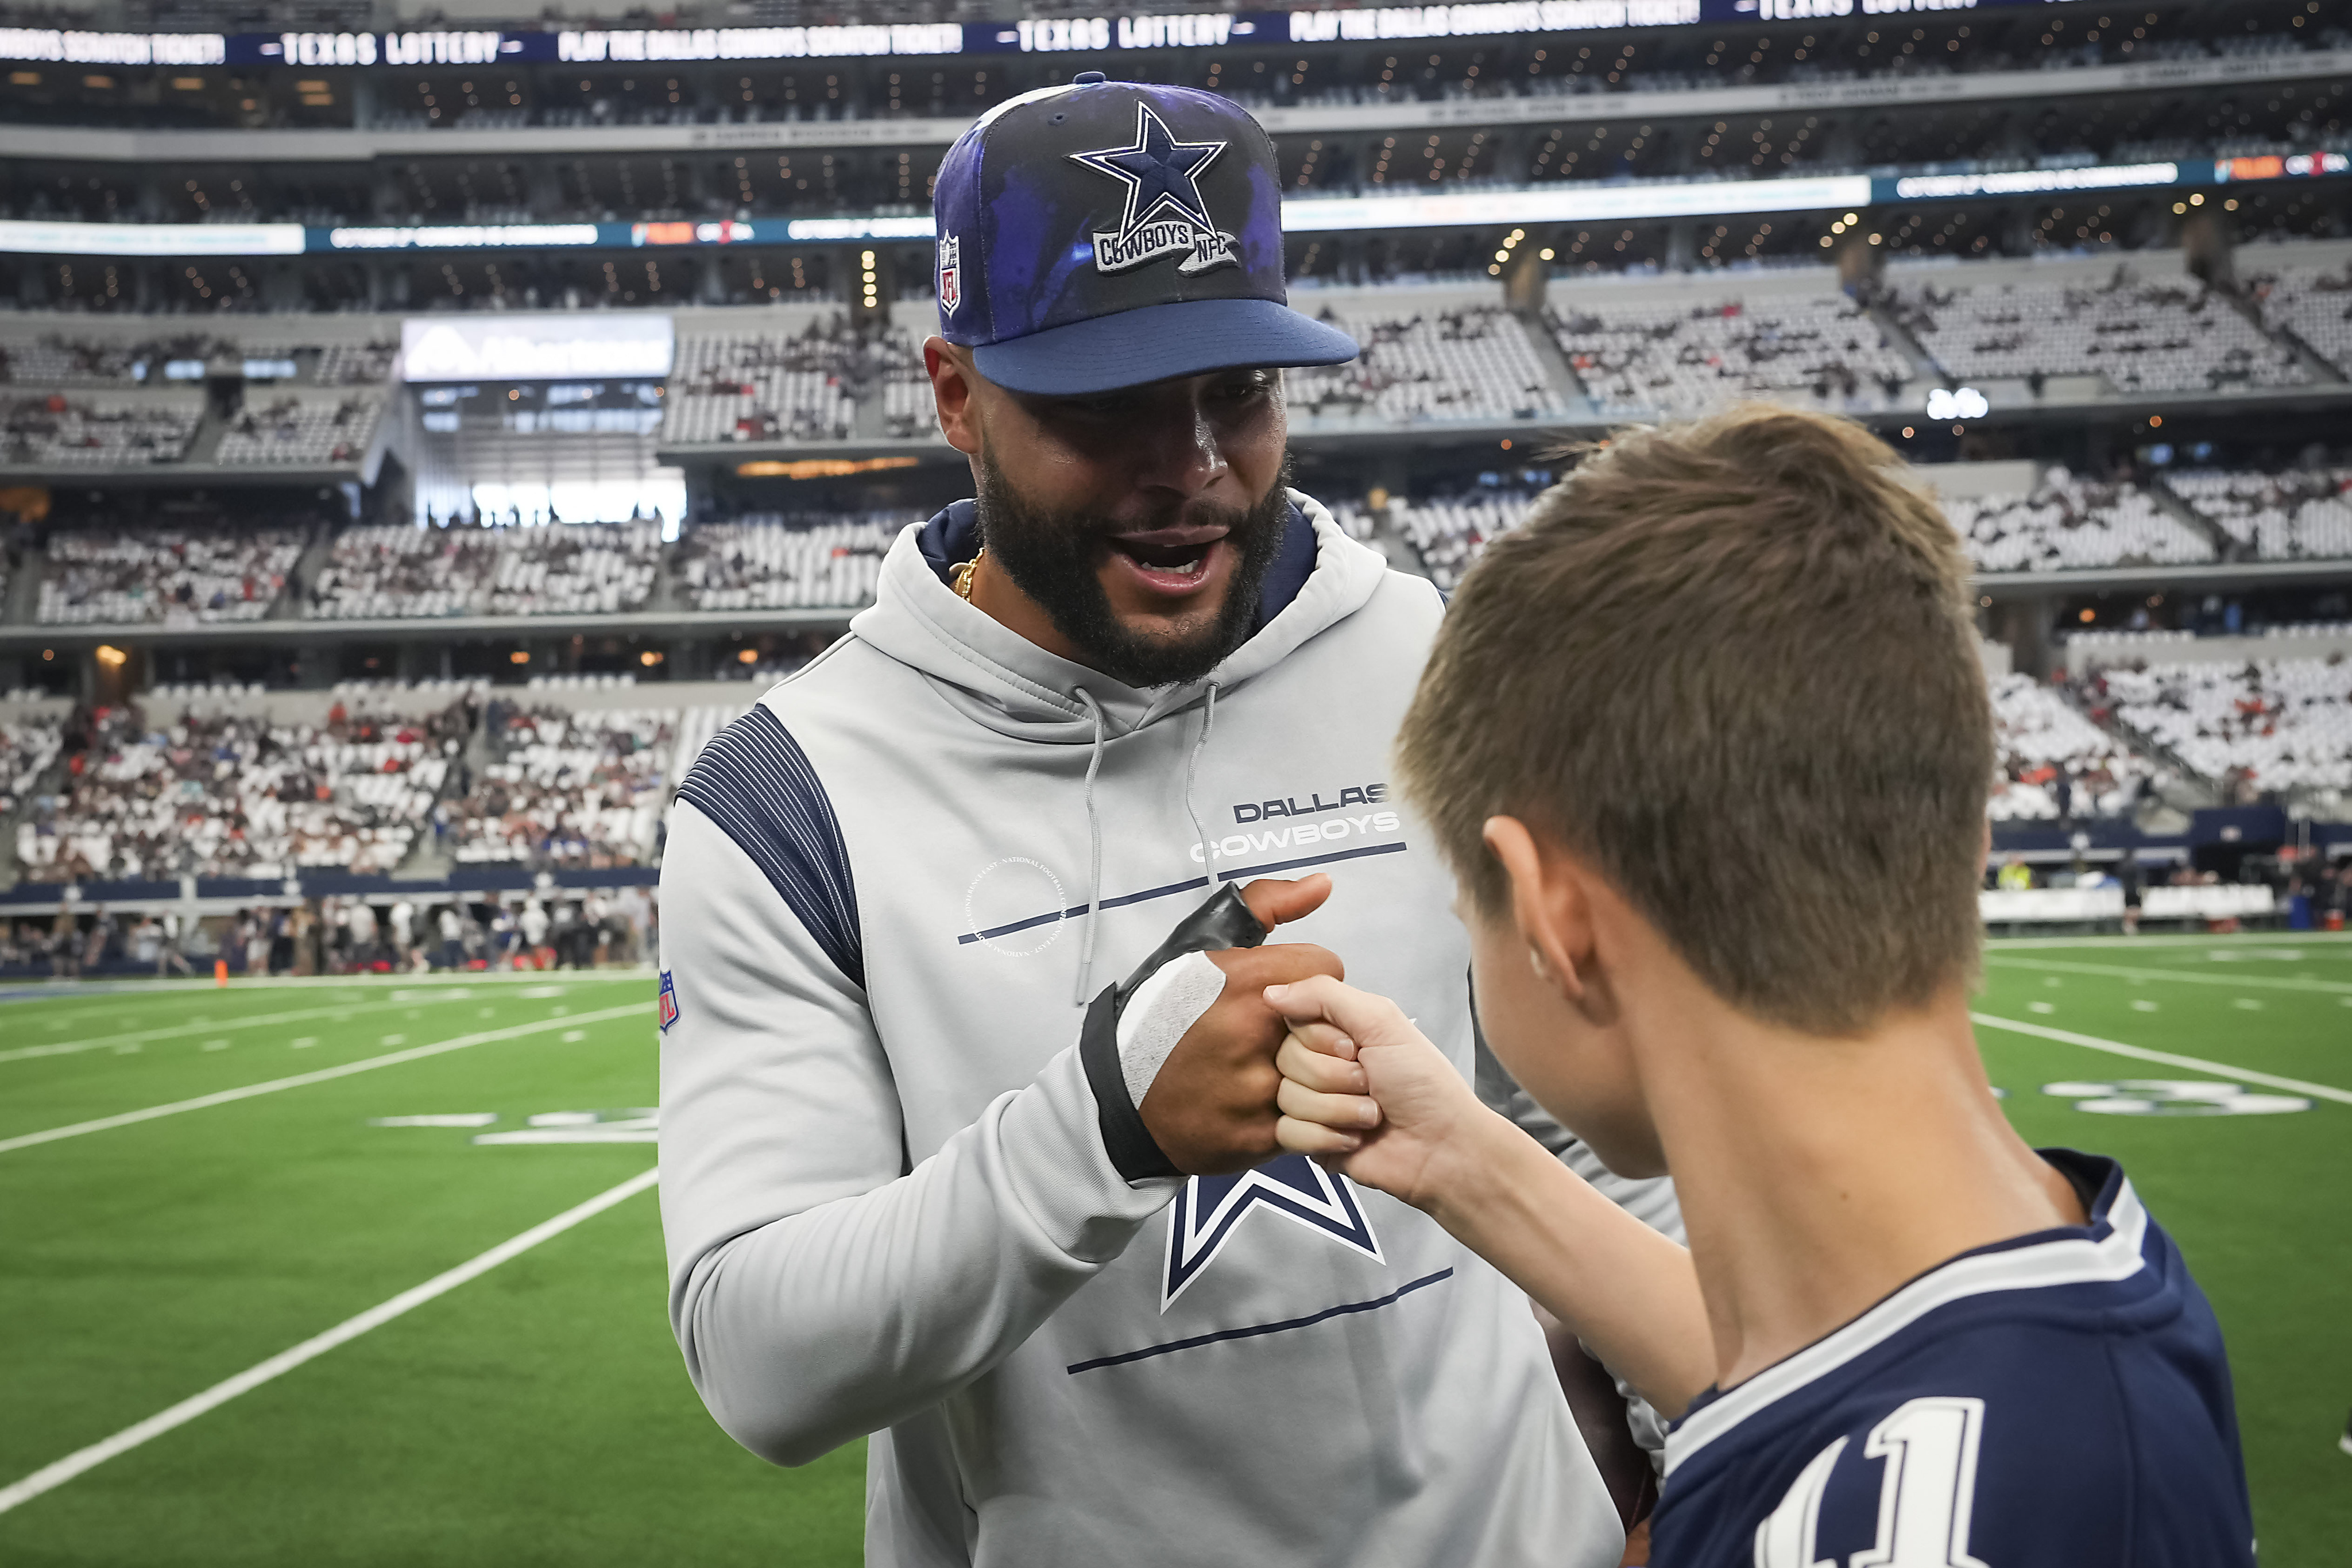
(1958, 403)
(112, 657)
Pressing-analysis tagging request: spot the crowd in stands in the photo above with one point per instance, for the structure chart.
(569, 789)
(1449, 532)
(171, 575)
(28, 745)
(292, 430)
(1681, 358)
(1474, 362)
(54, 360)
(775, 561)
(2315, 304)
(558, 568)
(756, 386)
(2302, 515)
(219, 793)
(908, 408)
(52, 430)
(2143, 337)
(2055, 764)
(2269, 726)
(2069, 523)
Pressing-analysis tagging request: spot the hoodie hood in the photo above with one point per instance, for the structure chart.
(1000, 679)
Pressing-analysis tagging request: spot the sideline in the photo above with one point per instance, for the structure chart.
(50, 1477)
(71, 990)
(2141, 1053)
(2190, 976)
(414, 1053)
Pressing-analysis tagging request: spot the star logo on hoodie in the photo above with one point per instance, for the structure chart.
(1210, 1209)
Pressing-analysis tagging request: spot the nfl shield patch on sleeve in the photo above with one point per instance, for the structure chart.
(668, 1002)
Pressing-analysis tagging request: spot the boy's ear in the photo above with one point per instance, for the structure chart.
(1549, 906)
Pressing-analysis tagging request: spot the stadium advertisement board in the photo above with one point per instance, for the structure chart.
(1500, 19)
(558, 346)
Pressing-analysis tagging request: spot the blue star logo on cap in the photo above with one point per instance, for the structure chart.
(1165, 210)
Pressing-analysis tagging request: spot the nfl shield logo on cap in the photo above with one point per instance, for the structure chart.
(1122, 233)
(950, 288)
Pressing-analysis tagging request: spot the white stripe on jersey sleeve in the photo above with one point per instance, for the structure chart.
(2088, 1260)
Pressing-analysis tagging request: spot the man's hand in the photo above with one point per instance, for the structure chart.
(1366, 1092)
(1210, 1109)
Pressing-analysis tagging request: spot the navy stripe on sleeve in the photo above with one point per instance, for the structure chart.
(755, 782)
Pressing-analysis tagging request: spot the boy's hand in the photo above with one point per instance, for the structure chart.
(1367, 1092)
(1211, 1108)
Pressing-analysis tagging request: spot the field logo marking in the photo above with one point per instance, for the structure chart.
(50, 1477)
(367, 1065)
(2165, 1057)
(640, 1125)
(2173, 1097)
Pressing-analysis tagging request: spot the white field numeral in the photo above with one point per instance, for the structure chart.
(1929, 1486)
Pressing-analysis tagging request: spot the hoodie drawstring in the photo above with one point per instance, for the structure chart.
(1094, 831)
(1192, 769)
(1094, 828)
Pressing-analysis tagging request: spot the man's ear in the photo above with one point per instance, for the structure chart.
(953, 385)
(1549, 906)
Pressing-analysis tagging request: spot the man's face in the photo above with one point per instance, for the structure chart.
(1571, 1057)
(1142, 522)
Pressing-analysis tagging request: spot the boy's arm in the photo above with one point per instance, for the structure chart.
(1399, 1118)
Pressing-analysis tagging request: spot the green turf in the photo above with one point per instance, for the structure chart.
(539, 1413)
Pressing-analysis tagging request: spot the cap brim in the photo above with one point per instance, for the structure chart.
(1183, 338)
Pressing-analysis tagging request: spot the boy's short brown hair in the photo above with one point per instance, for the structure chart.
(1732, 665)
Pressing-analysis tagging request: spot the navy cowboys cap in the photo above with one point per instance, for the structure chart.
(1106, 234)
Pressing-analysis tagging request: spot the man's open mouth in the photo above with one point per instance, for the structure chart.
(1170, 560)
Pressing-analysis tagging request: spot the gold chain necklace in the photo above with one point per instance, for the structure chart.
(963, 577)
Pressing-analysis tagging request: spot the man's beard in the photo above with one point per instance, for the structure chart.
(1050, 557)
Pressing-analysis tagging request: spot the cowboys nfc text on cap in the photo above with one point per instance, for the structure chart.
(1105, 234)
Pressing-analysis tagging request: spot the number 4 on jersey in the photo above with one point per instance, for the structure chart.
(1924, 1494)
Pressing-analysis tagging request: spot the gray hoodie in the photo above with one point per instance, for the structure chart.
(889, 1209)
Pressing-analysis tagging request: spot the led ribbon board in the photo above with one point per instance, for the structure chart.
(1564, 202)
(1206, 29)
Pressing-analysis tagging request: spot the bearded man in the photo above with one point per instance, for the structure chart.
(929, 1170)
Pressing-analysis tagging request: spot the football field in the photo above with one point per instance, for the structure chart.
(370, 1272)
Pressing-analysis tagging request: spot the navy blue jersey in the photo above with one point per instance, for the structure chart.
(2060, 1398)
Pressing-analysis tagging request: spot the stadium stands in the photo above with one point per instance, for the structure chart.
(770, 561)
(295, 431)
(2298, 516)
(390, 570)
(2143, 336)
(1471, 362)
(170, 575)
(1680, 356)
(1448, 532)
(570, 789)
(29, 743)
(2278, 724)
(2069, 523)
(54, 431)
(2054, 762)
(218, 793)
(2313, 302)
(760, 385)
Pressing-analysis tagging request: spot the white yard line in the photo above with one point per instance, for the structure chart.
(2210, 939)
(414, 1053)
(141, 1037)
(2141, 1053)
(50, 1477)
(2118, 972)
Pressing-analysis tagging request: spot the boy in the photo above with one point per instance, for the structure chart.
(1899, 1337)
